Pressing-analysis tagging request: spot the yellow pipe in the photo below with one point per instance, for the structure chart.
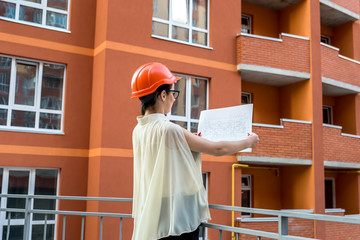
(235, 165)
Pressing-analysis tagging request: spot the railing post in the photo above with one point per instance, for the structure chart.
(26, 235)
(283, 226)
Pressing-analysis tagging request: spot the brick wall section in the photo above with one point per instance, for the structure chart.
(340, 148)
(352, 5)
(335, 231)
(292, 141)
(297, 227)
(291, 54)
(337, 68)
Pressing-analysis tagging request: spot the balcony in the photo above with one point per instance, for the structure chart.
(340, 75)
(336, 12)
(340, 150)
(287, 144)
(273, 61)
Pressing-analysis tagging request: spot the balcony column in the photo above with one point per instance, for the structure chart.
(357, 113)
(356, 40)
(317, 124)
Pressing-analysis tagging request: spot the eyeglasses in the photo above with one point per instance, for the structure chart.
(175, 93)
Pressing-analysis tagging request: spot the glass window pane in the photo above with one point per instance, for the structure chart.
(161, 9)
(198, 97)
(3, 117)
(56, 19)
(38, 232)
(160, 29)
(34, 1)
(5, 71)
(180, 33)
(59, 4)
(25, 84)
(52, 87)
(179, 106)
(7, 9)
(46, 182)
(30, 14)
(180, 123)
(180, 11)
(199, 14)
(194, 127)
(50, 121)
(16, 232)
(18, 184)
(23, 119)
(199, 38)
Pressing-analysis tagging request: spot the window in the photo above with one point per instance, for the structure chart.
(246, 23)
(327, 114)
(330, 193)
(325, 39)
(31, 95)
(28, 182)
(183, 21)
(245, 98)
(191, 101)
(48, 13)
(246, 193)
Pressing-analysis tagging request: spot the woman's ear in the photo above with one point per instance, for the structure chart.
(163, 95)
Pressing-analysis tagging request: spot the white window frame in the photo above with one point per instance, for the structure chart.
(248, 96)
(249, 27)
(247, 188)
(187, 118)
(42, 6)
(325, 39)
(37, 101)
(330, 113)
(189, 26)
(333, 190)
(31, 191)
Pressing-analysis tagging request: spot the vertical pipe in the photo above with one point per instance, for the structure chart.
(237, 236)
(45, 226)
(101, 227)
(82, 227)
(64, 224)
(220, 234)
(121, 226)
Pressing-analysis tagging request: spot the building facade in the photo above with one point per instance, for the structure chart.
(66, 117)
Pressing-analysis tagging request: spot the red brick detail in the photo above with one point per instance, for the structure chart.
(340, 148)
(337, 68)
(351, 5)
(297, 227)
(337, 231)
(292, 141)
(290, 54)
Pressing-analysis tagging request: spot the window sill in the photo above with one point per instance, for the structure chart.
(185, 43)
(35, 25)
(29, 130)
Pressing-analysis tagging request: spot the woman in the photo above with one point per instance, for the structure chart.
(169, 197)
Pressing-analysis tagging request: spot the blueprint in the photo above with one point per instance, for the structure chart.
(226, 124)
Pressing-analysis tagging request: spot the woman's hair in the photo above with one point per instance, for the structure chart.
(150, 99)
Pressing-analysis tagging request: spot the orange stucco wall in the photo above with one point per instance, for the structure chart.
(265, 21)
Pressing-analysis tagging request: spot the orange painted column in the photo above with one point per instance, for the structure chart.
(357, 113)
(317, 122)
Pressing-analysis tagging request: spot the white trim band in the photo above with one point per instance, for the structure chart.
(295, 121)
(334, 210)
(260, 37)
(267, 125)
(274, 160)
(332, 126)
(271, 70)
(339, 84)
(336, 164)
(350, 135)
(340, 9)
(295, 36)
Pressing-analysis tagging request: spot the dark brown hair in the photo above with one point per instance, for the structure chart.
(150, 99)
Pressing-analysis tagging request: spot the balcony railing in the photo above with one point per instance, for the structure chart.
(283, 216)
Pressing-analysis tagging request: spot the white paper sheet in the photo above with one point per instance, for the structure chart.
(226, 124)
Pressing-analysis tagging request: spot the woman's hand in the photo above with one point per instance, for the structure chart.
(253, 140)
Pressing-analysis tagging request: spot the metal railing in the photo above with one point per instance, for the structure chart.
(282, 216)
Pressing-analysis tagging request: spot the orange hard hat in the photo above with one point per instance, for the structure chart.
(149, 77)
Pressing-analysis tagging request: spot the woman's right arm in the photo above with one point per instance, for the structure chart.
(199, 144)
